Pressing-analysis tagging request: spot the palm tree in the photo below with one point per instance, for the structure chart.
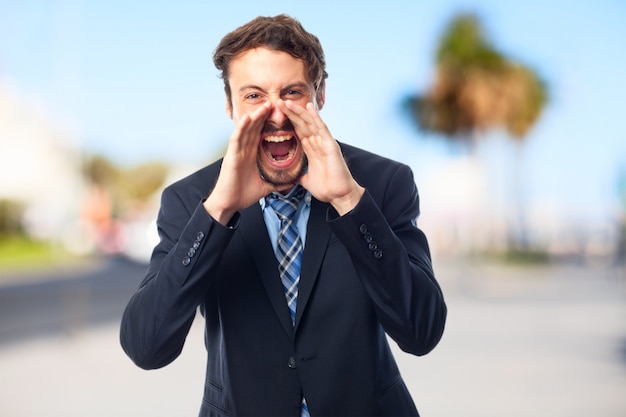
(476, 89)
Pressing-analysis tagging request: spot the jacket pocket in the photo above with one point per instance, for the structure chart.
(391, 385)
(396, 400)
(213, 402)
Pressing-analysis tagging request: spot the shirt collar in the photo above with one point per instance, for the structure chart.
(306, 200)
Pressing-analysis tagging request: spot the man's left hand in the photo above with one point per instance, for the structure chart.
(328, 177)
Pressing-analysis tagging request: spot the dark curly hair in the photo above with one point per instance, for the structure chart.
(281, 33)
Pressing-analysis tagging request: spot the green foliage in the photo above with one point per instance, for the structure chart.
(19, 252)
(137, 184)
(522, 257)
(128, 187)
(100, 171)
(464, 44)
(11, 213)
(477, 88)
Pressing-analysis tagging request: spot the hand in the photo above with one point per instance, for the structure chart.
(239, 184)
(328, 177)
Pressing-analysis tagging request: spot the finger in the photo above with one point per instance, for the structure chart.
(260, 115)
(306, 120)
(236, 135)
(249, 128)
(296, 113)
(316, 119)
(256, 119)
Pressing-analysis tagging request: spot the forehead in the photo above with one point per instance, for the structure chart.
(266, 67)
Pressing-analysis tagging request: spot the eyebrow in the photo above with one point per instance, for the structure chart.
(291, 86)
(249, 87)
(302, 85)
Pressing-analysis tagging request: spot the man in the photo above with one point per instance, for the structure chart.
(297, 305)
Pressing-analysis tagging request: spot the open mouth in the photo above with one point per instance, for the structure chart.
(279, 149)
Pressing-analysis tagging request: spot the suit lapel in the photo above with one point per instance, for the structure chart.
(317, 236)
(254, 233)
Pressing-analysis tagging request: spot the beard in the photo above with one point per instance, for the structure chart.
(279, 177)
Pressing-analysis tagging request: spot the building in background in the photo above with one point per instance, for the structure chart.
(39, 169)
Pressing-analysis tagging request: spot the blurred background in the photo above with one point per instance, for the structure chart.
(509, 115)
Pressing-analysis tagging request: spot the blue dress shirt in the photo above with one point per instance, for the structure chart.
(273, 222)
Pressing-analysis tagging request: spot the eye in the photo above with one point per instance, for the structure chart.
(253, 96)
(293, 93)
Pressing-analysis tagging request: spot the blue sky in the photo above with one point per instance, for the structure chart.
(134, 80)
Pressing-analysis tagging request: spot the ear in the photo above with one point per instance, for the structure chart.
(321, 97)
(229, 108)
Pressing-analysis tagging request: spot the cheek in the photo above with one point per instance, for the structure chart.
(237, 111)
(234, 114)
(312, 99)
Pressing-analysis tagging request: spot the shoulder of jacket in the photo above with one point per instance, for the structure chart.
(361, 159)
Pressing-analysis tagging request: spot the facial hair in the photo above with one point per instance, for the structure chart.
(283, 176)
(280, 177)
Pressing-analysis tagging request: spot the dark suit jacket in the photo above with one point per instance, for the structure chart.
(364, 275)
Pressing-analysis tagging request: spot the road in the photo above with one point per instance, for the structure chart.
(542, 341)
(65, 301)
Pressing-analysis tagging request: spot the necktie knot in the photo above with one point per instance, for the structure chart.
(286, 206)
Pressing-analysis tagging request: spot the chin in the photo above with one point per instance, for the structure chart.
(280, 177)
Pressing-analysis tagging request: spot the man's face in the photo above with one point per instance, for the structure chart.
(261, 75)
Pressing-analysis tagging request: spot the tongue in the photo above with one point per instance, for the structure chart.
(279, 150)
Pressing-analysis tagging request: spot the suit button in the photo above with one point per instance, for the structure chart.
(199, 236)
(291, 362)
(373, 246)
(363, 229)
(186, 261)
(191, 252)
(368, 237)
(378, 254)
(196, 245)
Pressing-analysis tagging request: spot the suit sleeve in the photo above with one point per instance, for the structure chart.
(392, 259)
(158, 317)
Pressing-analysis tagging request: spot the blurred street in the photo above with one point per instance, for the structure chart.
(68, 301)
(540, 341)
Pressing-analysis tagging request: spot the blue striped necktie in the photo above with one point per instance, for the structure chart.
(289, 252)
(289, 248)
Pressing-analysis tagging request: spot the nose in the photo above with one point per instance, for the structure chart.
(276, 116)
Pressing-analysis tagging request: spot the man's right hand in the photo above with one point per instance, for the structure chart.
(239, 184)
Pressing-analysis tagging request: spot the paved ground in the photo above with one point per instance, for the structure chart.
(66, 300)
(532, 342)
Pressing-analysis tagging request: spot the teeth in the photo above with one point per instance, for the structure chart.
(289, 156)
(280, 138)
